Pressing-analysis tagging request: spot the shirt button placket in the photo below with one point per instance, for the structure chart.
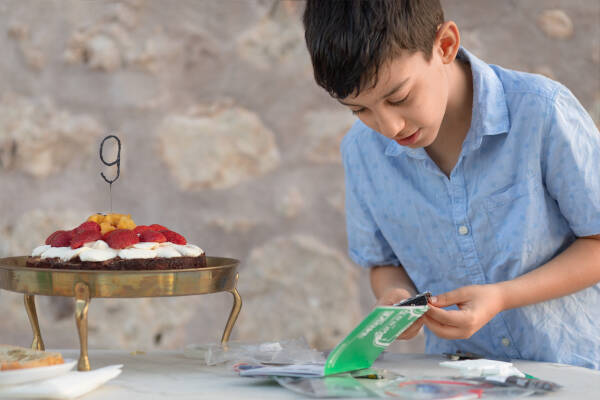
(465, 238)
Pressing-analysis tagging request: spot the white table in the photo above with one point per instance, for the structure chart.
(167, 375)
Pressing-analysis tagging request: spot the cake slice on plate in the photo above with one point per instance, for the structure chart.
(14, 357)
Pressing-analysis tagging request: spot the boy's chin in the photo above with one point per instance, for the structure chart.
(428, 139)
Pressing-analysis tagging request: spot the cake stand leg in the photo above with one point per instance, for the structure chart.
(235, 310)
(82, 302)
(38, 343)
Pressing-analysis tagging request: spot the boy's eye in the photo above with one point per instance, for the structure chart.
(397, 103)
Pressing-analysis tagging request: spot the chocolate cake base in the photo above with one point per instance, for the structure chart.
(120, 264)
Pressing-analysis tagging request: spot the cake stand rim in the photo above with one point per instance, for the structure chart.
(16, 277)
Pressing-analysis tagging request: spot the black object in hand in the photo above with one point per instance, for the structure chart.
(419, 300)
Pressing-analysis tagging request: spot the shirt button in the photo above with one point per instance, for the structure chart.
(463, 230)
(505, 342)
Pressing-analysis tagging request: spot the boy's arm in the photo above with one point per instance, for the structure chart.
(577, 268)
(388, 281)
(391, 284)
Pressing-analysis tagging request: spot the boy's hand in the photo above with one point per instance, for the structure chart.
(395, 295)
(477, 304)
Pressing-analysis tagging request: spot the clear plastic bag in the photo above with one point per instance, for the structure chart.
(328, 387)
(346, 386)
(450, 388)
(292, 351)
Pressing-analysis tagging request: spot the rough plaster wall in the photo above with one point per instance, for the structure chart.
(226, 139)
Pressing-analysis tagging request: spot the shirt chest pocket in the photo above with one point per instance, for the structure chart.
(509, 196)
(512, 211)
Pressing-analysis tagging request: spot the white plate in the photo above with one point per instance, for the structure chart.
(70, 385)
(16, 376)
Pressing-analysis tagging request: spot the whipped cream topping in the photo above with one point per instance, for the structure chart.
(101, 251)
(64, 253)
(98, 244)
(38, 251)
(137, 253)
(146, 245)
(167, 252)
(98, 254)
(188, 250)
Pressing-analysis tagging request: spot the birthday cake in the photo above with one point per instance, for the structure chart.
(115, 242)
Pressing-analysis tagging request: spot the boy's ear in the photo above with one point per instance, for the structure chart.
(447, 42)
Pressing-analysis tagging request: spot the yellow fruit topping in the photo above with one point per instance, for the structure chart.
(126, 223)
(113, 221)
(106, 227)
(97, 218)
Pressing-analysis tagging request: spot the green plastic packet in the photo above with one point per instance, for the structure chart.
(373, 335)
(358, 350)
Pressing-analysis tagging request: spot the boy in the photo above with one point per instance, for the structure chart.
(477, 183)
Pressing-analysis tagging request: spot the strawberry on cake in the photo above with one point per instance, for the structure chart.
(115, 242)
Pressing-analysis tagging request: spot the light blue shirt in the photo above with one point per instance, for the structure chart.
(526, 184)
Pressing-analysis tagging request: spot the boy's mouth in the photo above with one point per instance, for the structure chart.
(408, 140)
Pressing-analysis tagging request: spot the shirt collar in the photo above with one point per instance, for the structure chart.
(490, 111)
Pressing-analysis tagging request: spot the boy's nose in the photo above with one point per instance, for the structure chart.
(390, 125)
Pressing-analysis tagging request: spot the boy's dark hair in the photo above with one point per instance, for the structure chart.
(348, 40)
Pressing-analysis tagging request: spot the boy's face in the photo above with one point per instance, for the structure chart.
(409, 101)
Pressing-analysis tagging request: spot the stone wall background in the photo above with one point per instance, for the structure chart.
(226, 139)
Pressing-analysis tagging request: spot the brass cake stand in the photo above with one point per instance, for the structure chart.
(220, 275)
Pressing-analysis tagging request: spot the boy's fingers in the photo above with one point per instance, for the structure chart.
(447, 317)
(412, 330)
(441, 330)
(448, 298)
